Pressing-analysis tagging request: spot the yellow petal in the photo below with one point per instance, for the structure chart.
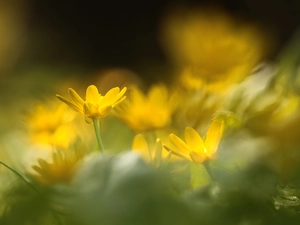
(158, 95)
(167, 158)
(122, 92)
(137, 97)
(194, 140)
(174, 152)
(112, 93)
(104, 111)
(73, 106)
(213, 136)
(75, 97)
(119, 101)
(119, 97)
(173, 101)
(181, 147)
(92, 95)
(140, 146)
(197, 157)
(90, 110)
(111, 96)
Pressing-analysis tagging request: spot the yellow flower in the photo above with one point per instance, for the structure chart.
(152, 154)
(216, 49)
(49, 124)
(195, 149)
(147, 112)
(60, 169)
(96, 105)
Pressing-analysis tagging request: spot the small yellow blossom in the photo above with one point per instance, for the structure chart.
(195, 149)
(96, 105)
(60, 169)
(196, 109)
(213, 49)
(50, 125)
(152, 154)
(147, 112)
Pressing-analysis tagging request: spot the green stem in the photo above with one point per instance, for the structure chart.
(20, 176)
(96, 123)
(209, 170)
(33, 187)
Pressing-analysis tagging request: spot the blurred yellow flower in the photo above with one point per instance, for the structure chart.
(96, 105)
(154, 154)
(50, 124)
(213, 49)
(196, 109)
(195, 149)
(60, 169)
(148, 112)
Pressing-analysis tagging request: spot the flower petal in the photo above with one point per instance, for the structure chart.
(122, 92)
(157, 156)
(174, 152)
(137, 97)
(120, 97)
(158, 95)
(194, 140)
(197, 157)
(213, 136)
(104, 111)
(75, 97)
(140, 146)
(92, 95)
(110, 97)
(90, 110)
(72, 105)
(119, 101)
(181, 147)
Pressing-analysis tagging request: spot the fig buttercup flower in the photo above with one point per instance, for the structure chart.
(153, 154)
(96, 106)
(147, 112)
(196, 149)
(50, 124)
(191, 38)
(60, 168)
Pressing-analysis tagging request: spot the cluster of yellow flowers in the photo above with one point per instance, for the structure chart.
(144, 114)
(196, 101)
(220, 133)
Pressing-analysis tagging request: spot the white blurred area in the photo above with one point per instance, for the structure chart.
(14, 15)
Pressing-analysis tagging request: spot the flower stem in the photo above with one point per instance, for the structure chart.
(209, 170)
(96, 123)
(33, 187)
(20, 176)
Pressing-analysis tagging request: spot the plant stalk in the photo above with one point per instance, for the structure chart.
(20, 176)
(96, 123)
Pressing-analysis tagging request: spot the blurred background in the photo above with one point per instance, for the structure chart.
(106, 34)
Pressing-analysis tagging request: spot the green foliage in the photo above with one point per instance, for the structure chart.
(124, 190)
